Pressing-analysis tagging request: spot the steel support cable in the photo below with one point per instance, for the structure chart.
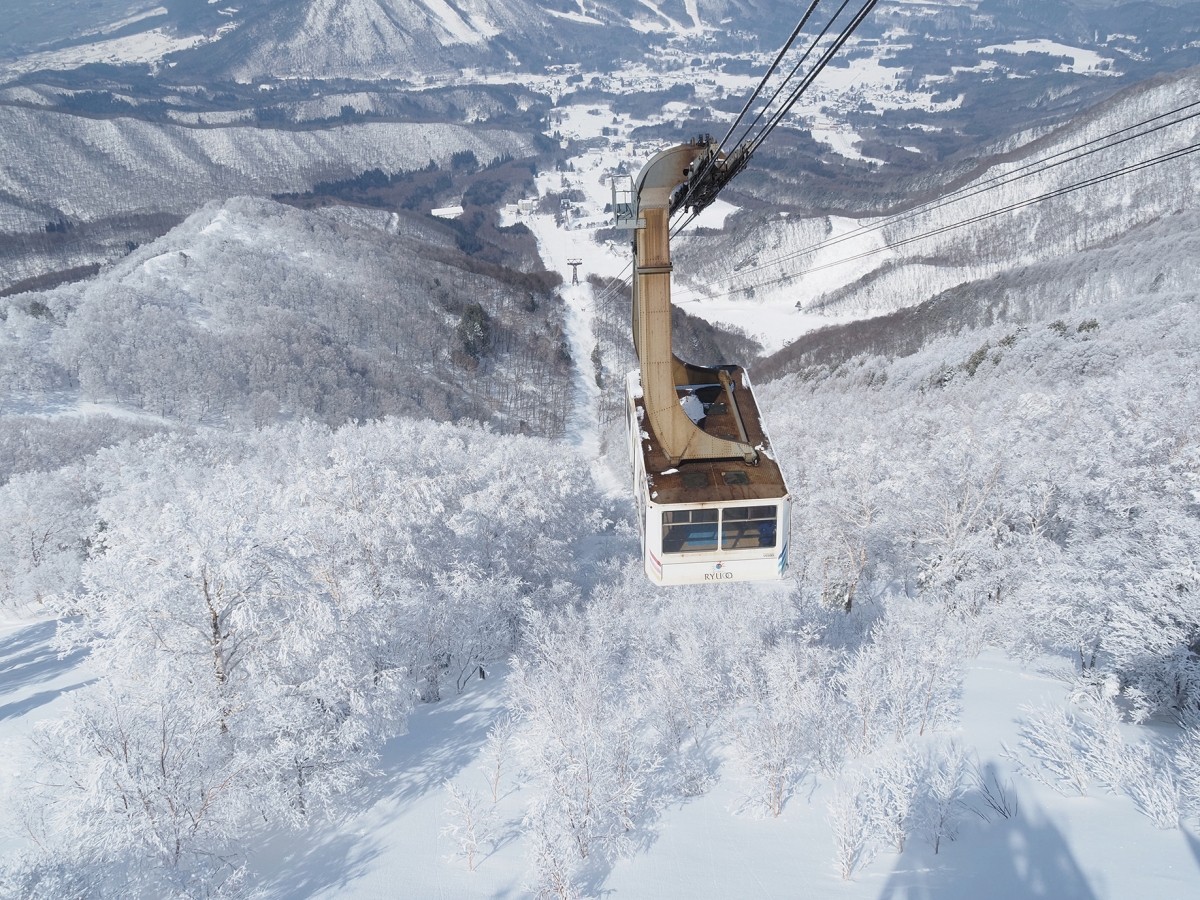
(1037, 166)
(758, 89)
(1034, 167)
(1073, 154)
(618, 284)
(754, 142)
(808, 79)
(1022, 204)
(811, 75)
(792, 74)
(774, 65)
(745, 108)
(806, 82)
(751, 144)
(679, 226)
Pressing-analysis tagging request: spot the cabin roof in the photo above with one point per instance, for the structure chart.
(721, 480)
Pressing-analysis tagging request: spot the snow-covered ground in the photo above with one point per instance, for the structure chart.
(558, 245)
(35, 684)
(757, 295)
(145, 47)
(1079, 60)
(712, 846)
(1055, 847)
(1041, 844)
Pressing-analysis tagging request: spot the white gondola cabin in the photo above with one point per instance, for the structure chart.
(712, 520)
(712, 503)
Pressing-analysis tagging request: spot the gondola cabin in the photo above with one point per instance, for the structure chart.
(711, 501)
(712, 520)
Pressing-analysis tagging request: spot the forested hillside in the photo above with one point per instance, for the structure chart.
(1042, 479)
(77, 188)
(319, 576)
(251, 311)
(277, 602)
(1035, 490)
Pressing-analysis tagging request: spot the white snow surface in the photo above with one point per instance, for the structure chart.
(557, 246)
(473, 32)
(145, 47)
(581, 18)
(710, 846)
(1080, 60)
(130, 20)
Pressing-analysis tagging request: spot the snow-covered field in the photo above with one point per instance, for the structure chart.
(90, 161)
(404, 829)
(148, 46)
(1078, 59)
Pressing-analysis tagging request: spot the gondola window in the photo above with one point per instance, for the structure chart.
(747, 527)
(690, 531)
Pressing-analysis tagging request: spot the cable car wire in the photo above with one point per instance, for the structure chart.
(758, 90)
(808, 79)
(773, 122)
(770, 70)
(750, 141)
(792, 74)
(1034, 167)
(702, 188)
(1003, 179)
(1022, 204)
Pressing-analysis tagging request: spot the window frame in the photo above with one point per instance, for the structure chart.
(688, 525)
(750, 522)
(744, 522)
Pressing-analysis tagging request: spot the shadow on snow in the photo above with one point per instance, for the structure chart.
(28, 658)
(1024, 856)
(443, 739)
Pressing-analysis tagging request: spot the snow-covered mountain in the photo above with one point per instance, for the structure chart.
(328, 659)
(371, 39)
(118, 123)
(360, 38)
(99, 166)
(89, 169)
(251, 311)
(374, 39)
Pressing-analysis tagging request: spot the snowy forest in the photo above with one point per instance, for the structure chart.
(263, 611)
(238, 316)
(319, 574)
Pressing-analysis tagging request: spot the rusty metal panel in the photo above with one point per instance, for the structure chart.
(725, 480)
